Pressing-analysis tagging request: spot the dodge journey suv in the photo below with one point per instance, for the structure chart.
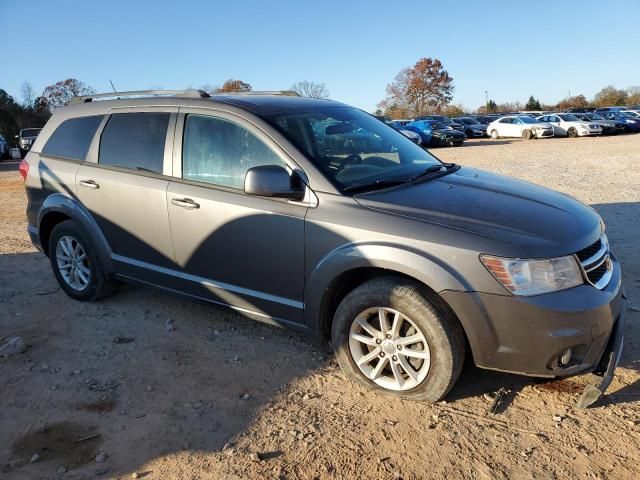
(316, 216)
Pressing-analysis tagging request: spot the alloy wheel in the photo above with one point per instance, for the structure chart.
(73, 263)
(389, 348)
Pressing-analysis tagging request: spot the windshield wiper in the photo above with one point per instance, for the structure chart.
(383, 183)
(434, 171)
(440, 168)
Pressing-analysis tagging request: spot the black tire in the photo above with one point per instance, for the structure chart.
(572, 132)
(100, 285)
(443, 332)
(527, 135)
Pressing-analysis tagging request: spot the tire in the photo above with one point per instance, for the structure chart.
(421, 316)
(572, 132)
(98, 283)
(494, 134)
(527, 135)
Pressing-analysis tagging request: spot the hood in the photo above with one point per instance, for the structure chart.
(448, 132)
(543, 222)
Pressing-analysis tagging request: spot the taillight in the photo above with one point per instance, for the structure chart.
(24, 169)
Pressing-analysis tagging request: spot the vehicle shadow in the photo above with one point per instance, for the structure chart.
(139, 375)
(170, 375)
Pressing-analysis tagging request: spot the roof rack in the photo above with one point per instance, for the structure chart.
(189, 93)
(289, 93)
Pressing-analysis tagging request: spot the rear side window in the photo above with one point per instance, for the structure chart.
(72, 138)
(220, 152)
(135, 141)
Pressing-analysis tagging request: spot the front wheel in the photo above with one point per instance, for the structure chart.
(390, 334)
(572, 132)
(494, 134)
(527, 134)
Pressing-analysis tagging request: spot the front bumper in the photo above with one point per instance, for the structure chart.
(543, 133)
(590, 132)
(528, 335)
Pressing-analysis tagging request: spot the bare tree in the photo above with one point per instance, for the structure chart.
(28, 94)
(306, 88)
(60, 93)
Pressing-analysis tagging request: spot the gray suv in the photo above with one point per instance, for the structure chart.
(316, 216)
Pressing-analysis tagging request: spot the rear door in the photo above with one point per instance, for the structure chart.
(232, 248)
(124, 185)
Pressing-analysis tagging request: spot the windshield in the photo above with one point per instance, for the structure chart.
(529, 120)
(352, 147)
(569, 118)
(594, 116)
(469, 121)
(30, 132)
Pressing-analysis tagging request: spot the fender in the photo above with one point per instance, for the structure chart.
(59, 202)
(396, 258)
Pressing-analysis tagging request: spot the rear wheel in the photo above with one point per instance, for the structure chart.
(494, 134)
(390, 335)
(75, 263)
(572, 132)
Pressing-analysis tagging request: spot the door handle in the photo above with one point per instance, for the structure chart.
(185, 203)
(89, 184)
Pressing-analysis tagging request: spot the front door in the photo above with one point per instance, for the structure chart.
(232, 248)
(124, 188)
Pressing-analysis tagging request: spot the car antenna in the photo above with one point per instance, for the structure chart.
(114, 88)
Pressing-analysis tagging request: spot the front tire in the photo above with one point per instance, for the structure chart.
(392, 335)
(572, 132)
(76, 265)
(527, 134)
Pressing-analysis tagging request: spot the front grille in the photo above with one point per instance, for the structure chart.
(596, 262)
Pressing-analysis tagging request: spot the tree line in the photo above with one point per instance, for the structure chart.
(33, 111)
(427, 88)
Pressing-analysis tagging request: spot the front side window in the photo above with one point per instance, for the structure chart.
(220, 152)
(134, 141)
(72, 138)
(350, 146)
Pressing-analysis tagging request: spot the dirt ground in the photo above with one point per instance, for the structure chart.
(155, 386)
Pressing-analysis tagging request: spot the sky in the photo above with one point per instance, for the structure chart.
(511, 49)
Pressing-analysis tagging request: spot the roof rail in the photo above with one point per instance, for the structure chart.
(289, 93)
(189, 93)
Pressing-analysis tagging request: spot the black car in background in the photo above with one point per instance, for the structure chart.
(472, 127)
(434, 134)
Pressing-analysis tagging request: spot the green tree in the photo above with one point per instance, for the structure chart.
(491, 106)
(532, 104)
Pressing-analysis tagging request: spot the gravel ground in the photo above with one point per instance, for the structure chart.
(154, 385)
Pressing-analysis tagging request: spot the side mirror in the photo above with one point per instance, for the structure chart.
(273, 181)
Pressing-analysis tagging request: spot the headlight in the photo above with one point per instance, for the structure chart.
(534, 277)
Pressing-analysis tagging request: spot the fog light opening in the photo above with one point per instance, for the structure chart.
(565, 357)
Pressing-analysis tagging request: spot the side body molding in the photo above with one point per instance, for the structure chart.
(395, 258)
(61, 203)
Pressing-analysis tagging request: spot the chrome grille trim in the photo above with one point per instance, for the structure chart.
(592, 267)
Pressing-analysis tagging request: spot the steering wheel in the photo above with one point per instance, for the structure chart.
(354, 157)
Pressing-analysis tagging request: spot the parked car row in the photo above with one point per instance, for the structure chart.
(441, 131)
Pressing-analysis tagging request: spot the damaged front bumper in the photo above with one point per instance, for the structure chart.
(603, 374)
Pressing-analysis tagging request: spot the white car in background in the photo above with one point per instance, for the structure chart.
(519, 126)
(568, 125)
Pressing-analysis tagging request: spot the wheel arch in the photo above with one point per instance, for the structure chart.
(349, 266)
(58, 208)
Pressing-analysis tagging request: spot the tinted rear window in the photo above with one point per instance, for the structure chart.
(72, 138)
(135, 141)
